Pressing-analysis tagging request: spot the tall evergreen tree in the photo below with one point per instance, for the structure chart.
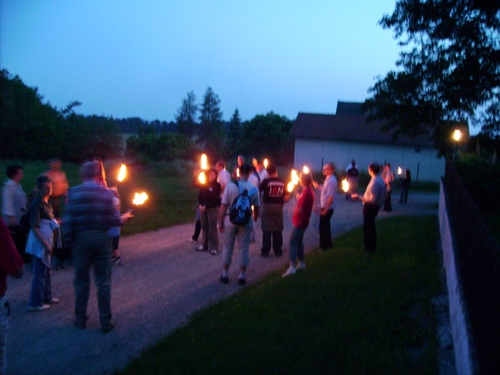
(186, 115)
(211, 127)
(233, 133)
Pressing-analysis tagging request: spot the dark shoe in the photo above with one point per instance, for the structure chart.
(80, 324)
(108, 328)
(224, 280)
(242, 281)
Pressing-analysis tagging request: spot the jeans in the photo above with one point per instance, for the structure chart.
(325, 232)
(231, 232)
(41, 287)
(277, 240)
(92, 248)
(297, 244)
(370, 212)
(4, 326)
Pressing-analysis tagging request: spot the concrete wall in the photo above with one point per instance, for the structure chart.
(423, 163)
(459, 326)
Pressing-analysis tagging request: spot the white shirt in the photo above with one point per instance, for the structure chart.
(329, 190)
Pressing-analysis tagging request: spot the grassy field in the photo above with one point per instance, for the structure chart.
(171, 199)
(347, 313)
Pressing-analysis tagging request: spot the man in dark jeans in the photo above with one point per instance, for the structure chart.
(372, 201)
(328, 199)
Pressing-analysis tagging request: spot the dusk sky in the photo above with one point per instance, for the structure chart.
(128, 58)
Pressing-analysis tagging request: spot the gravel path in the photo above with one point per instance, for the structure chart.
(162, 282)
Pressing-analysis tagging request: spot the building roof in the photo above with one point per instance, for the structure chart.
(348, 125)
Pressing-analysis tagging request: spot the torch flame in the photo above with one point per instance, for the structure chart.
(122, 173)
(305, 169)
(202, 178)
(345, 185)
(295, 177)
(290, 187)
(400, 170)
(266, 163)
(204, 162)
(139, 198)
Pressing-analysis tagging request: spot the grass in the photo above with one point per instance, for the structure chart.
(348, 313)
(171, 199)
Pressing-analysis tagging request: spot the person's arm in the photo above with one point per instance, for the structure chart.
(220, 219)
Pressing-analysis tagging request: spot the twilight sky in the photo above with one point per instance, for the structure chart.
(127, 58)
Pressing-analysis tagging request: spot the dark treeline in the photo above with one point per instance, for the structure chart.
(31, 129)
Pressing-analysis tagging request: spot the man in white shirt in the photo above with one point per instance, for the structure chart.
(232, 231)
(328, 201)
(223, 176)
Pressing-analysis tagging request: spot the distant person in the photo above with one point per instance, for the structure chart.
(328, 201)
(14, 206)
(388, 177)
(209, 204)
(260, 170)
(40, 245)
(232, 231)
(372, 201)
(300, 221)
(195, 183)
(405, 186)
(11, 264)
(241, 161)
(352, 173)
(89, 214)
(223, 176)
(273, 195)
(59, 186)
(114, 232)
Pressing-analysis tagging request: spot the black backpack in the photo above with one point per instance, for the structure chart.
(241, 209)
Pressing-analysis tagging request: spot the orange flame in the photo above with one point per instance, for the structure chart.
(204, 162)
(202, 178)
(139, 198)
(345, 185)
(305, 169)
(266, 163)
(122, 173)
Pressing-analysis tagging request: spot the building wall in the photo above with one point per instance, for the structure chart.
(423, 164)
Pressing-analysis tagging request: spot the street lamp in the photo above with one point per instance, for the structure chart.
(457, 136)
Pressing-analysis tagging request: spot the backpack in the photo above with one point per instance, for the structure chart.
(241, 209)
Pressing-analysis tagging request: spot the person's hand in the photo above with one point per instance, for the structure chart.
(126, 216)
(354, 196)
(220, 228)
(48, 249)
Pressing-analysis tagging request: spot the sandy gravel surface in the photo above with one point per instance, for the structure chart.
(161, 283)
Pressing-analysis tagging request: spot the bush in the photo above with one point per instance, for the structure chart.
(482, 181)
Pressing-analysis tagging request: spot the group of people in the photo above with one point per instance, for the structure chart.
(85, 219)
(268, 194)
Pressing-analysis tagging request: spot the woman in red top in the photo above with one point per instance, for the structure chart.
(300, 220)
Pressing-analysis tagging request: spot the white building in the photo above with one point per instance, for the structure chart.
(347, 135)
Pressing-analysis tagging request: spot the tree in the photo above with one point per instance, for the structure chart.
(233, 132)
(186, 115)
(267, 135)
(211, 127)
(451, 72)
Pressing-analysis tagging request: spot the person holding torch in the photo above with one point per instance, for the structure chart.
(372, 201)
(328, 201)
(89, 214)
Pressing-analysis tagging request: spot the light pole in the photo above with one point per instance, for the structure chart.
(457, 136)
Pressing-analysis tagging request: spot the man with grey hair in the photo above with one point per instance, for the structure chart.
(89, 214)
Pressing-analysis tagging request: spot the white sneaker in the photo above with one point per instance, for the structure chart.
(301, 266)
(290, 271)
(38, 308)
(200, 248)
